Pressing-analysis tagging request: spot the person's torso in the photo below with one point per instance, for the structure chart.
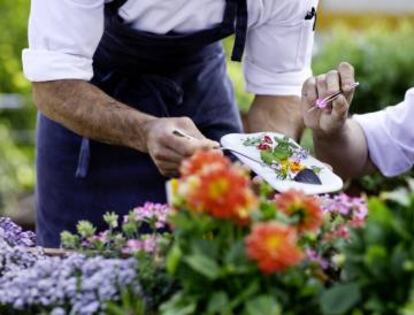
(182, 16)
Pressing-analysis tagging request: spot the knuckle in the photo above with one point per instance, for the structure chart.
(332, 90)
(185, 120)
(321, 78)
(346, 66)
(309, 83)
(332, 73)
(158, 154)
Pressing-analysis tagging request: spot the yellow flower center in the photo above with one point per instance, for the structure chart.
(296, 166)
(218, 188)
(272, 242)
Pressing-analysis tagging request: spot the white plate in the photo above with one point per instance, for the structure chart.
(330, 181)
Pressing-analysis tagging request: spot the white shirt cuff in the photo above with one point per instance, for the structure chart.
(262, 82)
(386, 154)
(46, 65)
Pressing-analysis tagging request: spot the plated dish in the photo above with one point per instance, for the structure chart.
(282, 162)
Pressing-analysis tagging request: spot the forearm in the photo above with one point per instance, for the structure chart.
(346, 151)
(276, 113)
(89, 112)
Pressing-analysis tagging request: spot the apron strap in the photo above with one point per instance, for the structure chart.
(241, 29)
(115, 5)
(235, 13)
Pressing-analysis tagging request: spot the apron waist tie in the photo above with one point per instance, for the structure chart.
(84, 159)
(165, 91)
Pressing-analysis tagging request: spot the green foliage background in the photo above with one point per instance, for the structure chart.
(16, 156)
(382, 57)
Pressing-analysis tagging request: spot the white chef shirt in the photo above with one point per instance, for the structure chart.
(390, 136)
(64, 34)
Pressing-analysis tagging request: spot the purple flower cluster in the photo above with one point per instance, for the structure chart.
(83, 283)
(13, 259)
(14, 242)
(300, 154)
(154, 213)
(353, 207)
(75, 284)
(314, 257)
(14, 234)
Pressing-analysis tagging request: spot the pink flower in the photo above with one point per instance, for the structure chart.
(153, 213)
(313, 256)
(134, 245)
(103, 236)
(355, 209)
(148, 245)
(340, 231)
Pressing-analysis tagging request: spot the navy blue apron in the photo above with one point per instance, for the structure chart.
(169, 75)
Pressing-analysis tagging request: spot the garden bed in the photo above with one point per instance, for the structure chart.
(226, 245)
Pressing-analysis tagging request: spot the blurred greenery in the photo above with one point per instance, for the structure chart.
(382, 57)
(16, 125)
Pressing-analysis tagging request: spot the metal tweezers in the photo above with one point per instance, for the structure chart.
(322, 103)
(182, 134)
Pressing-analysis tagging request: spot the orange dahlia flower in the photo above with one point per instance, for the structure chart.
(307, 208)
(202, 162)
(223, 193)
(273, 246)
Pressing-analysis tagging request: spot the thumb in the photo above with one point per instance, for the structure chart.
(340, 108)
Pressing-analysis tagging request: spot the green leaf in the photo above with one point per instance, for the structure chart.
(204, 265)
(268, 210)
(205, 247)
(179, 305)
(379, 212)
(236, 255)
(282, 153)
(246, 294)
(251, 141)
(267, 157)
(340, 299)
(218, 302)
(263, 305)
(173, 259)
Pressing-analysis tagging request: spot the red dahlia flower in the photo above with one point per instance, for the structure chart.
(223, 193)
(202, 162)
(273, 246)
(307, 208)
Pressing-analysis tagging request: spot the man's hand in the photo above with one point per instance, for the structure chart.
(338, 141)
(331, 120)
(168, 150)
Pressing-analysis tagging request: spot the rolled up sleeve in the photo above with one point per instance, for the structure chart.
(63, 36)
(390, 136)
(279, 49)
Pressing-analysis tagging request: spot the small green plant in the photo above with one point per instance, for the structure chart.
(378, 274)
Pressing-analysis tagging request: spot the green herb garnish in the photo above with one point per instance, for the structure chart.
(251, 141)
